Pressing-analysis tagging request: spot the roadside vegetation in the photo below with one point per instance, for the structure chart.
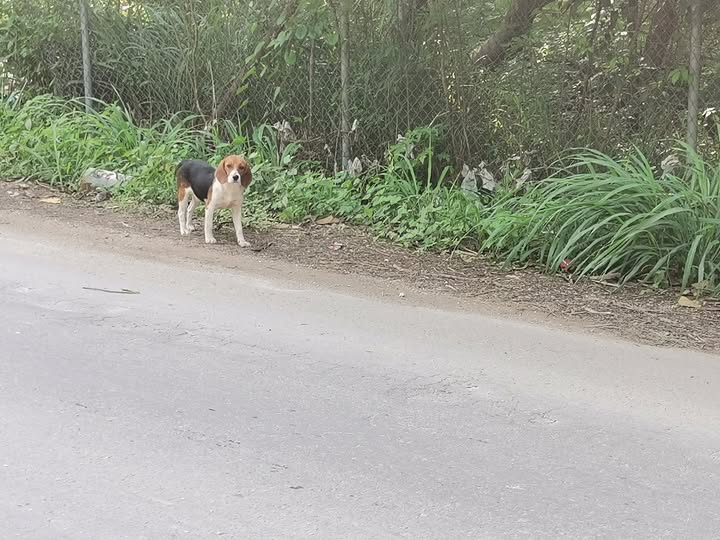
(625, 219)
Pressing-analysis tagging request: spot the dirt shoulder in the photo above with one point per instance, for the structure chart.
(350, 260)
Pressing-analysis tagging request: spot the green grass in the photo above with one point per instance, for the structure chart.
(56, 141)
(604, 215)
(622, 216)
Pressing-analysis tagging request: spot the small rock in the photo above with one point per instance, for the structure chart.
(99, 178)
(684, 301)
(102, 196)
(401, 295)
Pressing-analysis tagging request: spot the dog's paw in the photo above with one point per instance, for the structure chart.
(210, 241)
(190, 228)
(184, 232)
(243, 243)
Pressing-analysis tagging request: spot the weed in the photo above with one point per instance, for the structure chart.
(603, 214)
(607, 215)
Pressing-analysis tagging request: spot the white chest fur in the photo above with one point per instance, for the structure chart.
(227, 194)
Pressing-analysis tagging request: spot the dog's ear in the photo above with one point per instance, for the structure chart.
(246, 175)
(221, 172)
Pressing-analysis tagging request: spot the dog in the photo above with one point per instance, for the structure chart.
(221, 187)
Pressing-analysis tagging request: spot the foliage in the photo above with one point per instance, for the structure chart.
(588, 73)
(606, 216)
(58, 141)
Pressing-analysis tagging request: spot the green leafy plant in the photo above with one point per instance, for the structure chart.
(621, 216)
(601, 215)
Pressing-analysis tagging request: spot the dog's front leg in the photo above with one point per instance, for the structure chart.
(237, 221)
(209, 237)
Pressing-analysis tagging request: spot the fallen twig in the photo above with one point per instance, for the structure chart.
(121, 291)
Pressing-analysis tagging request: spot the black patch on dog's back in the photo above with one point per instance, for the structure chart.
(199, 174)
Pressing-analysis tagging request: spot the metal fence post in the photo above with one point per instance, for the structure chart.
(696, 22)
(85, 36)
(345, 8)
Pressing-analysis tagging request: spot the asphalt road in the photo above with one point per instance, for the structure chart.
(217, 404)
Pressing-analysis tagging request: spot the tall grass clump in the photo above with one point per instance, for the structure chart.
(405, 198)
(412, 202)
(622, 216)
(56, 141)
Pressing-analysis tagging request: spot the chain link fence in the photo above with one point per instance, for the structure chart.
(506, 81)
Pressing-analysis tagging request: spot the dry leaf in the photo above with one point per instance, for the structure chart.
(684, 301)
(51, 200)
(467, 256)
(606, 277)
(261, 247)
(329, 220)
(701, 287)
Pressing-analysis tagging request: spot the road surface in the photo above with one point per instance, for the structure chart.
(227, 404)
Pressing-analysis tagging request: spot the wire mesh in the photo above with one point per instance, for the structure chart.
(523, 80)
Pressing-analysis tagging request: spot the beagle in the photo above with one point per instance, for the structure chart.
(223, 187)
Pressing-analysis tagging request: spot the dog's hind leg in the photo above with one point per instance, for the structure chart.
(189, 227)
(185, 195)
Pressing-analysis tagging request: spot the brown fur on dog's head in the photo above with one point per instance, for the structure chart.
(232, 165)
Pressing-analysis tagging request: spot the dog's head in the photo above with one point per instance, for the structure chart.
(234, 169)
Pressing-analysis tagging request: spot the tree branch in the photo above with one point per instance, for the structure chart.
(518, 20)
(231, 91)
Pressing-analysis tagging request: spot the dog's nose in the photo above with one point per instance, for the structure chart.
(235, 177)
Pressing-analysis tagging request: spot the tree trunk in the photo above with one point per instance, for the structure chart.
(87, 65)
(696, 23)
(518, 20)
(232, 88)
(634, 21)
(344, 16)
(664, 24)
(407, 15)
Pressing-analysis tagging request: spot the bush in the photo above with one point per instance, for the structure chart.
(407, 202)
(607, 215)
(602, 214)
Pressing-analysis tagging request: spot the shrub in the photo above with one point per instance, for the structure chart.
(408, 201)
(607, 215)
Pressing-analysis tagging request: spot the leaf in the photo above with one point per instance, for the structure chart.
(290, 57)
(301, 31)
(280, 40)
(51, 200)
(329, 220)
(468, 256)
(684, 301)
(254, 54)
(332, 39)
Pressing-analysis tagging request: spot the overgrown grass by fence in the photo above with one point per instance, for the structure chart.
(600, 214)
(525, 78)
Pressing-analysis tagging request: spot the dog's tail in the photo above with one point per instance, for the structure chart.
(180, 178)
